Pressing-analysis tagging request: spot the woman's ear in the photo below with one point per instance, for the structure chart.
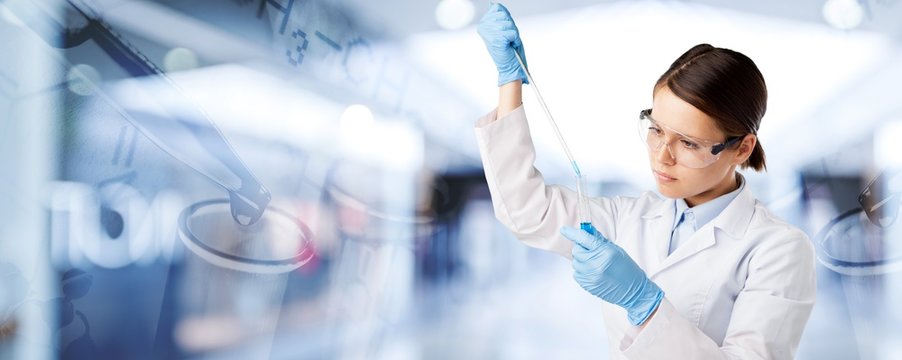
(744, 151)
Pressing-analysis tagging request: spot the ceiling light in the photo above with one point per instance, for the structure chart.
(356, 117)
(454, 14)
(843, 14)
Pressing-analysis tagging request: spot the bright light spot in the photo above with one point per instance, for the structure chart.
(83, 79)
(355, 118)
(230, 94)
(843, 14)
(179, 59)
(391, 144)
(454, 14)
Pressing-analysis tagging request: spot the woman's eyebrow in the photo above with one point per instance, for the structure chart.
(694, 138)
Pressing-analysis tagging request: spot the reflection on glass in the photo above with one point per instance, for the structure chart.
(277, 243)
(369, 209)
(235, 282)
(880, 199)
(860, 241)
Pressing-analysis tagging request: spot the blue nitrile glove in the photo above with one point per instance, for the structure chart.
(606, 271)
(502, 38)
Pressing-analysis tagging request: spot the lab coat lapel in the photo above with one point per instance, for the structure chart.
(733, 221)
(701, 240)
(736, 218)
(658, 225)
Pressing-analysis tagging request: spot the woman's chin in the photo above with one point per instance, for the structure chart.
(669, 192)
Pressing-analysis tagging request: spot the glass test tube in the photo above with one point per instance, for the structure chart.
(585, 216)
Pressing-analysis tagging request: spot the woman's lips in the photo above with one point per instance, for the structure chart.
(663, 176)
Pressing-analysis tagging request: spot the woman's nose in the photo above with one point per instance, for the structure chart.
(664, 155)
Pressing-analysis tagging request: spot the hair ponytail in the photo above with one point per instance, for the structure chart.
(756, 160)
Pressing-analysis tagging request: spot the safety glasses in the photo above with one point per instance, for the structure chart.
(686, 150)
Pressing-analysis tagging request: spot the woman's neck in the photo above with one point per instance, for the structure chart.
(729, 184)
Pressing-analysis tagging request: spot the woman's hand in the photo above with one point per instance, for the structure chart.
(606, 271)
(502, 39)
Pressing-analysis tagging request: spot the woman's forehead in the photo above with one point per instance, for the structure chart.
(676, 114)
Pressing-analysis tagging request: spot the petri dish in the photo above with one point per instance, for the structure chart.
(277, 243)
(851, 245)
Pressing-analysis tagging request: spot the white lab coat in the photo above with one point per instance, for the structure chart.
(741, 287)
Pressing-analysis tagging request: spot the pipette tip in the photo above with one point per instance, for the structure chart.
(576, 168)
(245, 210)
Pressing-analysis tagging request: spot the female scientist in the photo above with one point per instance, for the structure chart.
(704, 272)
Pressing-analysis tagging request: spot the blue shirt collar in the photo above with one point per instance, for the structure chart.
(706, 212)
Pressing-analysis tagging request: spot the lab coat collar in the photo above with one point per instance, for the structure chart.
(663, 208)
(735, 218)
(734, 221)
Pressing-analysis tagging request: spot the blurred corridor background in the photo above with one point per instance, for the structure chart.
(135, 137)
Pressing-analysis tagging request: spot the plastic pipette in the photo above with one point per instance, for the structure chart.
(585, 220)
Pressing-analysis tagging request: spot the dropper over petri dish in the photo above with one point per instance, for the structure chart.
(173, 124)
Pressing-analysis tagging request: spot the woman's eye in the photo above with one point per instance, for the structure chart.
(655, 130)
(689, 145)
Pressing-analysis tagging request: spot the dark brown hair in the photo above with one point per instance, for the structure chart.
(725, 85)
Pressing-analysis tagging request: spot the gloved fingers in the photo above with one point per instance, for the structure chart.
(492, 19)
(498, 28)
(581, 279)
(497, 15)
(584, 267)
(496, 21)
(502, 51)
(588, 283)
(505, 25)
(579, 237)
(592, 230)
(511, 38)
(498, 12)
(505, 33)
(494, 8)
(517, 44)
(583, 238)
(596, 259)
(580, 255)
(497, 7)
(495, 26)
